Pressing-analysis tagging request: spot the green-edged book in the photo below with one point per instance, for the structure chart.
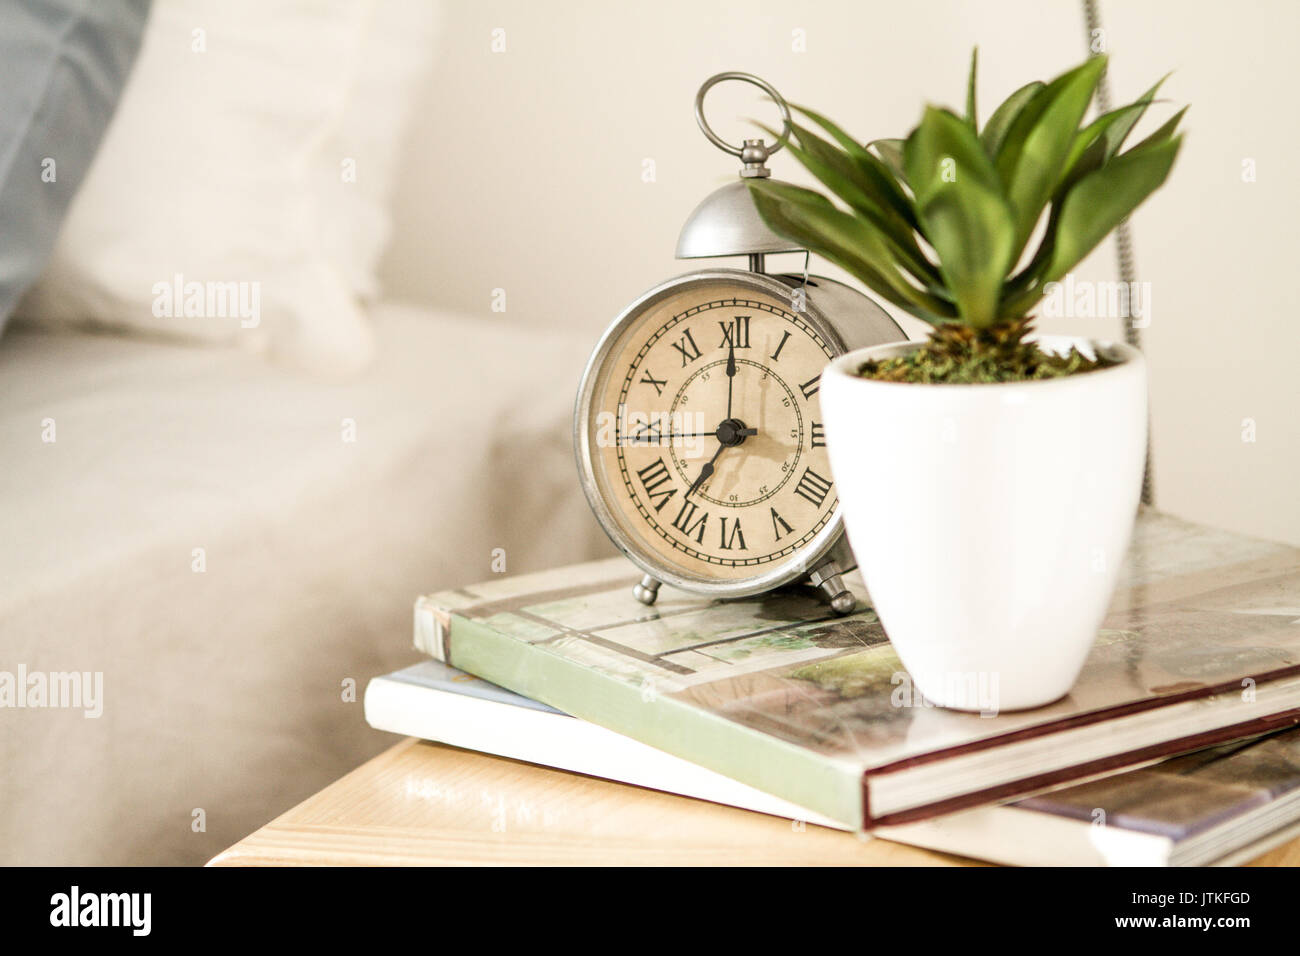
(1202, 646)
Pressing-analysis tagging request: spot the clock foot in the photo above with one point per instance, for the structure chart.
(827, 579)
(646, 590)
(844, 602)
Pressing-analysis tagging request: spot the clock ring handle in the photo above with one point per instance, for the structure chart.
(754, 152)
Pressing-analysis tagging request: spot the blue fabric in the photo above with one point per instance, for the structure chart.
(63, 64)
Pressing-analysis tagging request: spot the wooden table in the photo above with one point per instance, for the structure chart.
(425, 804)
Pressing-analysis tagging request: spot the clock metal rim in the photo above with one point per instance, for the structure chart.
(783, 572)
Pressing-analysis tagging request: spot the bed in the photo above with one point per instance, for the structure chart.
(236, 551)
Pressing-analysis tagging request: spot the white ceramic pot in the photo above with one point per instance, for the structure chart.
(989, 521)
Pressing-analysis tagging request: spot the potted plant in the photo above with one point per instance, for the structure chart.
(989, 478)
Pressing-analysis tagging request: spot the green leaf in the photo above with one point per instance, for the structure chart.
(847, 142)
(1102, 138)
(1104, 198)
(1092, 139)
(1089, 152)
(1022, 287)
(864, 177)
(1165, 131)
(1017, 305)
(1033, 153)
(971, 230)
(840, 237)
(779, 191)
(891, 154)
(854, 184)
(836, 170)
(848, 241)
(996, 128)
(883, 177)
(1118, 131)
(970, 90)
(942, 150)
(963, 212)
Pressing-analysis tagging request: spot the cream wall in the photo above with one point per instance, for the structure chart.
(525, 173)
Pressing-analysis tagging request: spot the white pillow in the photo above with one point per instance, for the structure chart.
(248, 169)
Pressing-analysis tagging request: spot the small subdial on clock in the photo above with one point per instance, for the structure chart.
(763, 424)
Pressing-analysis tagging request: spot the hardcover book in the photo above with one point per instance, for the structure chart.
(1201, 647)
(433, 701)
(1223, 805)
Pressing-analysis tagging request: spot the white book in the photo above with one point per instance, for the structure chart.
(1224, 805)
(436, 702)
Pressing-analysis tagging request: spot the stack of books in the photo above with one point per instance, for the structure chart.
(1178, 745)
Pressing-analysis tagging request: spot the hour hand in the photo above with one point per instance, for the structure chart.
(706, 471)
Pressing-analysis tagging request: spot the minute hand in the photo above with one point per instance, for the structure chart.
(731, 374)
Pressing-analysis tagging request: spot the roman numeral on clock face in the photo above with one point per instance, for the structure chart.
(647, 432)
(735, 332)
(654, 477)
(688, 524)
(736, 538)
(813, 487)
(818, 436)
(649, 379)
(686, 345)
(785, 337)
(810, 387)
(780, 527)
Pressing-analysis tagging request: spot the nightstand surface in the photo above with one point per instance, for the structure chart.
(420, 803)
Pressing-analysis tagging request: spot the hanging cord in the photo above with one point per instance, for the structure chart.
(1123, 237)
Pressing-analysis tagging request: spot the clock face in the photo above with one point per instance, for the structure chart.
(705, 431)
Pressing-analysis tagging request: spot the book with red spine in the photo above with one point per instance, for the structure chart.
(1201, 647)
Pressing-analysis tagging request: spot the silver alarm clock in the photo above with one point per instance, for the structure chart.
(697, 428)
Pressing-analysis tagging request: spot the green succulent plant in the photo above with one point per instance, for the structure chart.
(940, 224)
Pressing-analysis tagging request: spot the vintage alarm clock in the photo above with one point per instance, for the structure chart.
(697, 427)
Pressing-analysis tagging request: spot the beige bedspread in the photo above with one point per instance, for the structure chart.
(321, 511)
